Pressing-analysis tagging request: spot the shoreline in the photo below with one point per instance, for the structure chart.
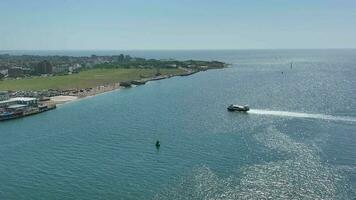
(19, 106)
(64, 99)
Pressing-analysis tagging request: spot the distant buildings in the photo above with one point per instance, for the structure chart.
(41, 65)
(4, 95)
(18, 72)
(44, 67)
(3, 73)
(60, 69)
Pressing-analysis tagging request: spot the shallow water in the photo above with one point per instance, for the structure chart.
(298, 141)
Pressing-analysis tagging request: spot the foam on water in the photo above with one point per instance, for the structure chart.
(301, 115)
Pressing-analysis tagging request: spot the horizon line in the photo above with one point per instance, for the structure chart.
(208, 49)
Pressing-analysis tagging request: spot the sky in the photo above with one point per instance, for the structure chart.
(176, 24)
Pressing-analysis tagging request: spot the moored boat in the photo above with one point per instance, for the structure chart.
(10, 115)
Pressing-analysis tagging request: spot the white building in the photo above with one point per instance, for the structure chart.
(27, 101)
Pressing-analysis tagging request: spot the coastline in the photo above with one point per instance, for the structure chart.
(86, 93)
(22, 103)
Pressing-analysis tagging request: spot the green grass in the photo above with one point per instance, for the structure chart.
(84, 79)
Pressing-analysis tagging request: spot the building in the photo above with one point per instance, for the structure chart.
(3, 73)
(17, 72)
(44, 67)
(74, 68)
(24, 101)
(60, 69)
(4, 95)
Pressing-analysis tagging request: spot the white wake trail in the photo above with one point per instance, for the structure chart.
(302, 115)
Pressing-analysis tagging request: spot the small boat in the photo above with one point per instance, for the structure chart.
(239, 108)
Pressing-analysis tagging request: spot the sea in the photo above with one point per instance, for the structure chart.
(298, 141)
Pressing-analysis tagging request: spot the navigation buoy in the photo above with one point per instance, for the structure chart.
(158, 144)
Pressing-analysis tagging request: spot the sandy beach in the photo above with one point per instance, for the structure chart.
(63, 99)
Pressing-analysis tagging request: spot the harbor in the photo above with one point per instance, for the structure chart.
(21, 107)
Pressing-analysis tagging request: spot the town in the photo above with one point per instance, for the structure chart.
(19, 66)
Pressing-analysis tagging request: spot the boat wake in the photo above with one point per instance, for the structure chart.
(302, 115)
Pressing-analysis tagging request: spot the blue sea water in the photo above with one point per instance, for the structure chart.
(298, 141)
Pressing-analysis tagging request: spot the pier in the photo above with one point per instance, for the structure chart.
(21, 107)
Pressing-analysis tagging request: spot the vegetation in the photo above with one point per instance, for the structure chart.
(153, 63)
(84, 79)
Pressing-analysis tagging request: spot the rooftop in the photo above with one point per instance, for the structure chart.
(17, 99)
(17, 106)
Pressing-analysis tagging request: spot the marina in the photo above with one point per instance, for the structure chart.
(21, 107)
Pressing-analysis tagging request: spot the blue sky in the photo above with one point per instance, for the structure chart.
(176, 24)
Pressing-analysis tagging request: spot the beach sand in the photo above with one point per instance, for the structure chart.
(63, 99)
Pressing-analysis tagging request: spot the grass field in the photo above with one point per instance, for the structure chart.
(84, 79)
